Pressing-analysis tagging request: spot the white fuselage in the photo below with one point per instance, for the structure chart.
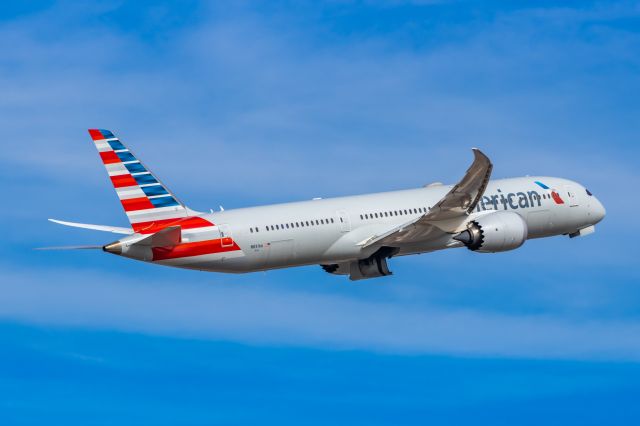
(327, 231)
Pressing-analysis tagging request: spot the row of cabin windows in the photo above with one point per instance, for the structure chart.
(391, 213)
(292, 225)
(543, 197)
(365, 216)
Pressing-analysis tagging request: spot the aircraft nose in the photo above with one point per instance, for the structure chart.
(598, 211)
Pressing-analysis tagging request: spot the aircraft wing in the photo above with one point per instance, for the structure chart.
(447, 215)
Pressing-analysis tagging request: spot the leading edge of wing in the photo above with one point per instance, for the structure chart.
(466, 194)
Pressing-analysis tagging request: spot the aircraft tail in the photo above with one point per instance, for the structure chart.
(146, 201)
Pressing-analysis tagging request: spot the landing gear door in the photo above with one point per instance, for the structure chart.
(226, 239)
(345, 222)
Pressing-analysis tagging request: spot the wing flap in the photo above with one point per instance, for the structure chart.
(377, 237)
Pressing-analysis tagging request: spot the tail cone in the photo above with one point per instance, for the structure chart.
(114, 248)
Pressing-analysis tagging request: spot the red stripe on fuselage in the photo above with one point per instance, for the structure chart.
(184, 222)
(197, 248)
(122, 181)
(109, 157)
(132, 204)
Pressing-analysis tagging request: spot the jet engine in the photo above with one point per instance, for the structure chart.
(494, 232)
(372, 267)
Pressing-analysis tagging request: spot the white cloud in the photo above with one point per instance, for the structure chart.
(212, 309)
(256, 107)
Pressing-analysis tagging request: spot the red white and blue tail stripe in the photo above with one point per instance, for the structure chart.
(151, 207)
(146, 201)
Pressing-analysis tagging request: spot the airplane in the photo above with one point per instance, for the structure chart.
(354, 235)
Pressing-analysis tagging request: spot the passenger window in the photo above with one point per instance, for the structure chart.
(251, 230)
(277, 227)
(405, 212)
(332, 220)
(257, 229)
(317, 222)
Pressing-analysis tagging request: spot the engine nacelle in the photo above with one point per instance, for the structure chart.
(372, 267)
(494, 232)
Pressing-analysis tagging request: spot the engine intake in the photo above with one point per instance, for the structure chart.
(494, 232)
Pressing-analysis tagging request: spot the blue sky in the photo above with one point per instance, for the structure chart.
(245, 103)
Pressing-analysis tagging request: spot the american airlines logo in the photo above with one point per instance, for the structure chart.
(554, 193)
(517, 200)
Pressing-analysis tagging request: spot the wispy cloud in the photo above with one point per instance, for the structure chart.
(249, 105)
(253, 315)
(245, 92)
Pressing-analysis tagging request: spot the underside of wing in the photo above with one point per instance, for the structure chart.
(464, 196)
(447, 215)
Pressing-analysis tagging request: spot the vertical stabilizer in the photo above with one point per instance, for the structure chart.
(146, 201)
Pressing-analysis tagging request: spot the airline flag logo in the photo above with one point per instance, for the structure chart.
(151, 207)
(144, 199)
(554, 194)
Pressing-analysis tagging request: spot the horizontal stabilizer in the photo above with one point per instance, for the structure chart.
(167, 237)
(103, 228)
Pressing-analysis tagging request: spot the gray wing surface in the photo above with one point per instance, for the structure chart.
(447, 214)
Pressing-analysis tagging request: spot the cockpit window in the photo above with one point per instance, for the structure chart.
(589, 193)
